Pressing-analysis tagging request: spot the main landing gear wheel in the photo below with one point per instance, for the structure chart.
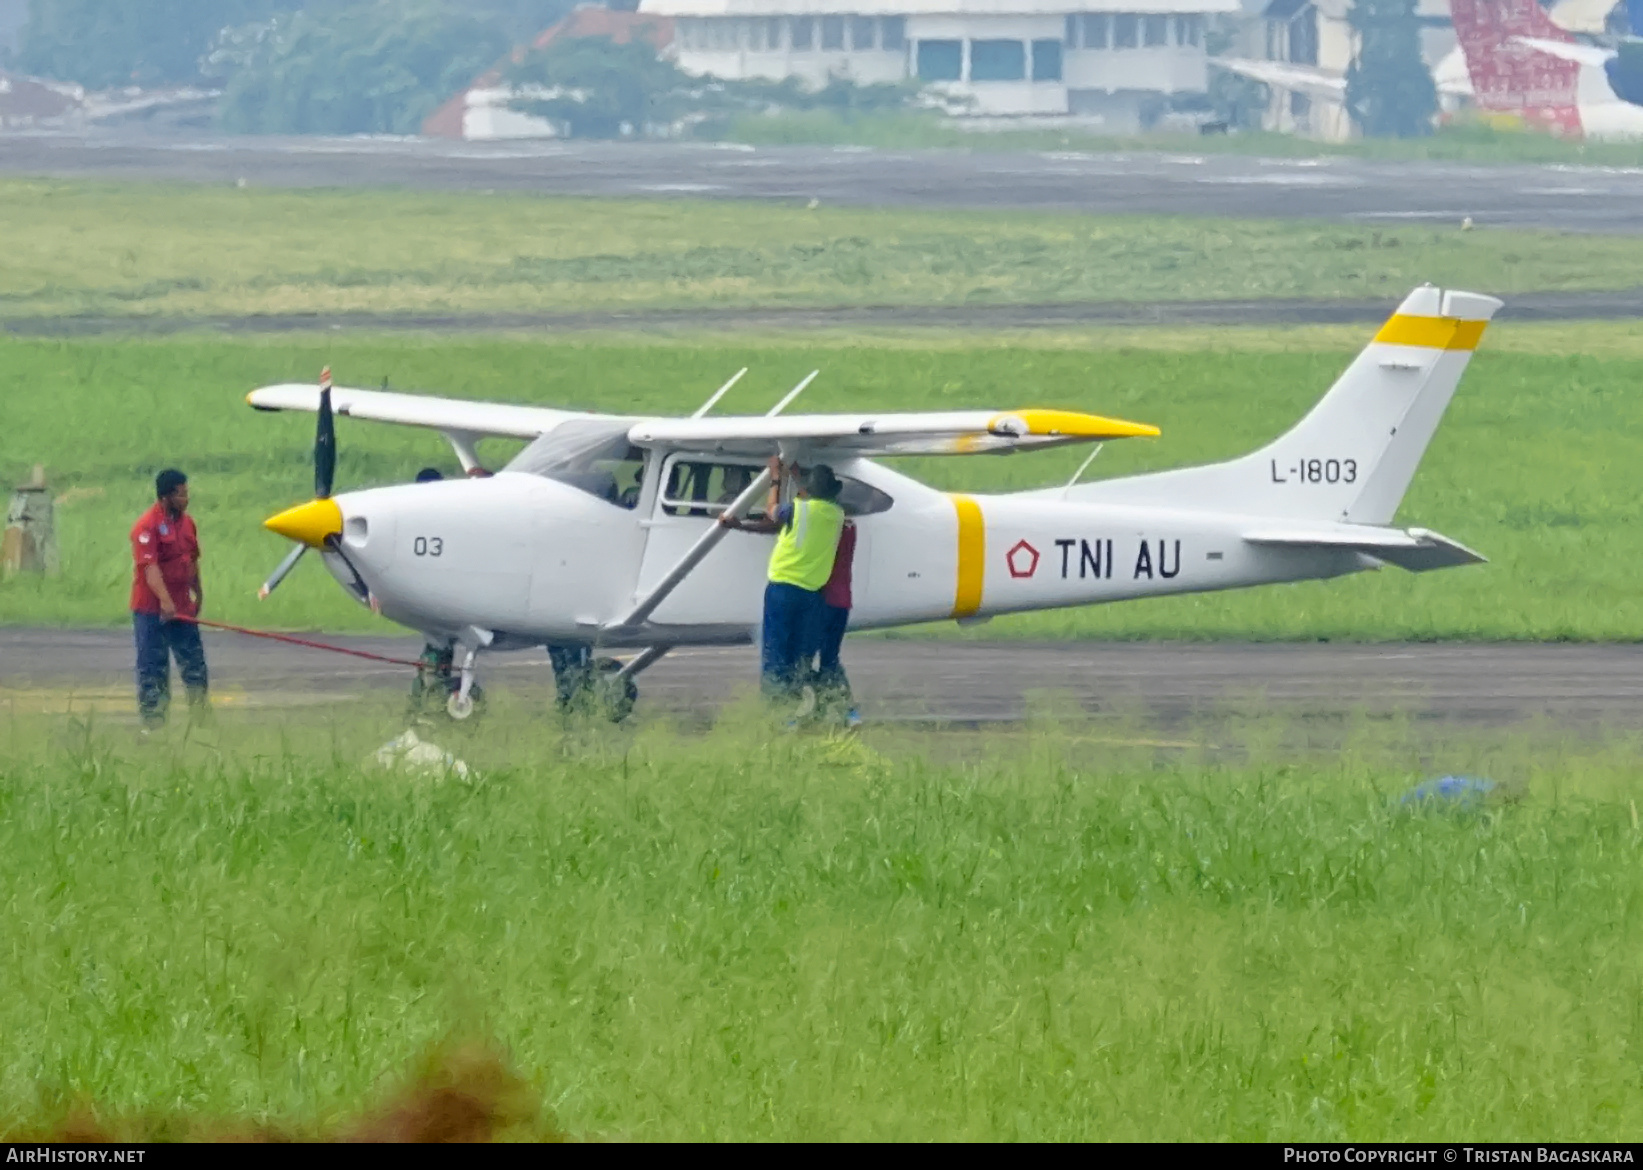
(614, 695)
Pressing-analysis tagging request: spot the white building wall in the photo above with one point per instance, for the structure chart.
(1024, 96)
(775, 39)
(1165, 70)
(1021, 28)
(810, 48)
(487, 116)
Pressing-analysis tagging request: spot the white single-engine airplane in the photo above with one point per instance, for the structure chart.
(601, 532)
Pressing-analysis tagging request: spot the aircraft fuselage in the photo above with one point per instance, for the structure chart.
(538, 561)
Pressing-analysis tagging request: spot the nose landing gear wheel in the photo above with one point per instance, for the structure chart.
(460, 706)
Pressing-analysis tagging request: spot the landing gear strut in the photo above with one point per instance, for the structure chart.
(462, 703)
(601, 685)
(445, 678)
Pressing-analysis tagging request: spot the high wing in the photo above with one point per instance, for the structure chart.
(1590, 55)
(449, 415)
(936, 433)
(1305, 79)
(961, 432)
(1323, 83)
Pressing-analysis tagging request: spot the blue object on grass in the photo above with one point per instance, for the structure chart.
(1450, 792)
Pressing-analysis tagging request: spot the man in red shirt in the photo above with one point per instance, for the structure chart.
(832, 684)
(165, 592)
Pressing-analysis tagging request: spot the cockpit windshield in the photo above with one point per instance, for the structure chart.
(592, 455)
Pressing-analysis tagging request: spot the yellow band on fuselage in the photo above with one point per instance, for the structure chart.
(972, 556)
(1431, 332)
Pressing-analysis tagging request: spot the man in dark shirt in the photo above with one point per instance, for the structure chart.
(165, 596)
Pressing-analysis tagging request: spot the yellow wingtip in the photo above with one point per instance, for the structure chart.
(308, 523)
(1071, 424)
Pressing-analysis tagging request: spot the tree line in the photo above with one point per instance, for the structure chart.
(381, 66)
(291, 66)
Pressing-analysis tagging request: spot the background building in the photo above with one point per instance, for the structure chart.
(482, 111)
(1315, 34)
(1116, 62)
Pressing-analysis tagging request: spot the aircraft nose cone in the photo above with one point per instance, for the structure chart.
(308, 523)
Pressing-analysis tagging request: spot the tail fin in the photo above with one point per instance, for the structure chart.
(1511, 78)
(1352, 457)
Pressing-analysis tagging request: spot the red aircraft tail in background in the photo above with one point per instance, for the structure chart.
(1510, 78)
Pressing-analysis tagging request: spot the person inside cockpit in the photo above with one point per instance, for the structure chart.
(736, 481)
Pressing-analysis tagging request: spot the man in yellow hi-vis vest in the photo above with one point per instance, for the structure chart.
(807, 537)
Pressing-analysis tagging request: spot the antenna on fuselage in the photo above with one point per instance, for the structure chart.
(791, 395)
(719, 393)
(1082, 468)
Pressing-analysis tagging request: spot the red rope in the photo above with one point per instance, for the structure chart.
(300, 642)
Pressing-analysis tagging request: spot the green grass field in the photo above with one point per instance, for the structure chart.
(738, 936)
(156, 250)
(1537, 464)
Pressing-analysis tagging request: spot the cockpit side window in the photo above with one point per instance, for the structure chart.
(694, 486)
(703, 487)
(592, 455)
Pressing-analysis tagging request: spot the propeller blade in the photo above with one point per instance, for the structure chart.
(325, 440)
(333, 545)
(278, 575)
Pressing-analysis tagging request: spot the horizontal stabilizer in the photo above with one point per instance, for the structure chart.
(1416, 549)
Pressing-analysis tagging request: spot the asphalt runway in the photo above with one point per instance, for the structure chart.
(1564, 197)
(953, 682)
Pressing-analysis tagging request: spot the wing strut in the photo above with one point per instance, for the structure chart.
(463, 443)
(719, 393)
(791, 395)
(642, 661)
(705, 544)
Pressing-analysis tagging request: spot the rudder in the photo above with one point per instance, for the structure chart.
(1353, 455)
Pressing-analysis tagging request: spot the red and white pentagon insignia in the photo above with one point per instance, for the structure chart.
(1022, 559)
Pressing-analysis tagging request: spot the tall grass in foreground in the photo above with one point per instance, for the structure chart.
(1046, 934)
